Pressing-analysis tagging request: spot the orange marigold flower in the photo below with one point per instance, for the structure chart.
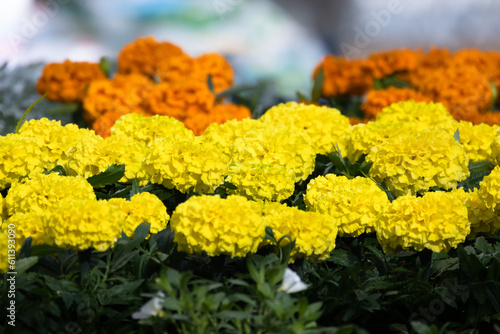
(124, 94)
(65, 82)
(433, 59)
(180, 67)
(180, 99)
(218, 68)
(356, 120)
(219, 114)
(473, 57)
(344, 77)
(462, 89)
(144, 54)
(386, 63)
(376, 100)
(489, 117)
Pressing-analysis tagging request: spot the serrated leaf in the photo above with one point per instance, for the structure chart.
(135, 189)
(108, 177)
(142, 231)
(23, 265)
(479, 166)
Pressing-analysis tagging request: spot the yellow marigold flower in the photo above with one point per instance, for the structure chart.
(27, 224)
(344, 77)
(326, 127)
(437, 221)
(430, 114)
(232, 226)
(220, 114)
(123, 94)
(7, 252)
(147, 129)
(222, 136)
(463, 98)
(65, 82)
(495, 148)
(365, 136)
(82, 224)
(262, 182)
(143, 207)
(415, 162)
(477, 140)
(144, 55)
(353, 203)
(180, 99)
(3, 209)
(20, 157)
(314, 233)
(489, 190)
(185, 164)
(376, 100)
(277, 145)
(42, 191)
(122, 150)
(386, 63)
(483, 221)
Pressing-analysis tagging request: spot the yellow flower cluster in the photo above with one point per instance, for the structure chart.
(19, 158)
(437, 221)
(142, 207)
(477, 140)
(413, 163)
(185, 164)
(83, 224)
(222, 136)
(430, 114)
(352, 203)
(326, 127)
(277, 145)
(262, 182)
(365, 136)
(232, 226)
(495, 148)
(43, 191)
(4, 252)
(147, 129)
(28, 224)
(314, 233)
(483, 221)
(489, 190)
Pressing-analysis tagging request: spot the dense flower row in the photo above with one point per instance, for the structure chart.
(434, 76)
(182, 90)
(411, 146)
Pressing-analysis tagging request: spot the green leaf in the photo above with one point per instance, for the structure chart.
(135, 189)
(23, 265)
(65, 109)
(479, 166)
(317, 86)
(108, 177)
(18, 126)
(228, 315)
(105, 66)
(210, 83)
(142, 231)
(301, 97)
(494, 92)
(456, 136)
(26, 248)
(230, 186)
(57, 169)
(43, 250)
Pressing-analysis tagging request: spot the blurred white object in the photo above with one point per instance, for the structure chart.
(292, 282)
(151, 308)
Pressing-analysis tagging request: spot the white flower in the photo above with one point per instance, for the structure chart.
(151, 308)
(291, 282)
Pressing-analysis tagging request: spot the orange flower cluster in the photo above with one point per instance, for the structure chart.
(66, 82)
(182, 92)
(461, 81)
(376, 100)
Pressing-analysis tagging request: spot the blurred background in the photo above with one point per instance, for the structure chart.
(281, 39)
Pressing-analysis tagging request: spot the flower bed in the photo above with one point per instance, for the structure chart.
(294, 222)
